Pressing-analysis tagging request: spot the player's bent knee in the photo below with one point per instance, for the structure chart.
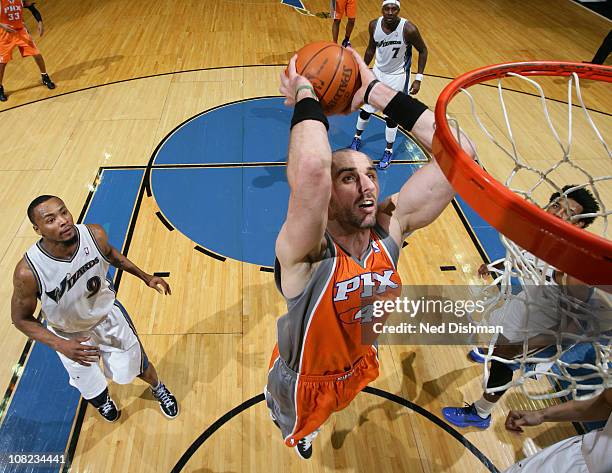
(364, 115)
(390, 123)
(500, 375)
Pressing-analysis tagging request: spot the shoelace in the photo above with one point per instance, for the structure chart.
(106, 407)
(163, 396)
(307, 441)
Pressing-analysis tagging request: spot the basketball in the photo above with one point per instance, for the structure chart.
(333, 72)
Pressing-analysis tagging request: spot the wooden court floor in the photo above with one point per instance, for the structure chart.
(211, 340)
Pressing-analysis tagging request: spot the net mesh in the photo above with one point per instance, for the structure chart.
(554, 327)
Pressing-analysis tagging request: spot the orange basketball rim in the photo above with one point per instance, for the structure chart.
(575, 251)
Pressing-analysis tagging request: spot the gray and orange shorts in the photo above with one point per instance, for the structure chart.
(301, 403)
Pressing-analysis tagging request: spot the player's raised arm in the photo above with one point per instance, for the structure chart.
(308, 173)
(427, 192)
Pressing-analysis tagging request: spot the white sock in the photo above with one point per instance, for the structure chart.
(361, 123)
(484, 407)
(390, 134)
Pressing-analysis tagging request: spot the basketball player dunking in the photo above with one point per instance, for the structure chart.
(391, 38)
(67, 271)
(336, 250)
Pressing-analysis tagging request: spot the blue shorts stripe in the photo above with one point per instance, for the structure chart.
(144, 360)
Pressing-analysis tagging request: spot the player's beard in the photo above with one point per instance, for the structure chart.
(360, 222)
(72, 240)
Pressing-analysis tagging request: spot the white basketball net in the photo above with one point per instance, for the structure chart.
(534, 310)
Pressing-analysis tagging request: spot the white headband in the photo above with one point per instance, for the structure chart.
(391, 2)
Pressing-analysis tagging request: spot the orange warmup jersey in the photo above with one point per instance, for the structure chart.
(12, 13)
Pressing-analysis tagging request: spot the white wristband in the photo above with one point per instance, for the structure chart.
(418, 77)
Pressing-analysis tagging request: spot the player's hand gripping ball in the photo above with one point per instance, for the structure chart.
(333, 72)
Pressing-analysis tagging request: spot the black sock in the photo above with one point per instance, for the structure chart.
(99, 399)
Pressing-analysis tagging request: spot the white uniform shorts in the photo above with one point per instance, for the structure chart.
(562, 457)
(530, 313)
(121, 353)
(397, 81)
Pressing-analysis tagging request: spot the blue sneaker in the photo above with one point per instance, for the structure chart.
(476, 354)
(356, 143)
(466, 417)
(346, 43)
(385, 161)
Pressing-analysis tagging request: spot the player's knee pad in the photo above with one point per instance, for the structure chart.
(500, 375)
(390, 123)
(364, 115)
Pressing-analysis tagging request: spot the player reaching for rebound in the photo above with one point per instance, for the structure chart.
(67, 270)
(531, 313)
(588, 453)
(337, 249)
(391, 38)
(14, 34)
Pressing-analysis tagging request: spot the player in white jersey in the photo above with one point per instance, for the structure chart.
(392, 39)
(67, 271)
(589, 453)
(532, 312)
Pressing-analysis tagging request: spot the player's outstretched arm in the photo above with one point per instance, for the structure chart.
(23, 305)
(308, 174)
(597, 408)
(122, 262)
(425, 195)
